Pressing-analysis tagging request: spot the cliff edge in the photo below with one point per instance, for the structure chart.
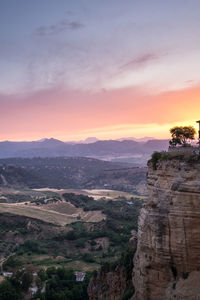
(167, 260)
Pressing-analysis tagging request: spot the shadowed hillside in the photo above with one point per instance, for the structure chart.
(71, 173)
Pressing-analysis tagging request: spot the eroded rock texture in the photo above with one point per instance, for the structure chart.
(167, 261)
(107, 285)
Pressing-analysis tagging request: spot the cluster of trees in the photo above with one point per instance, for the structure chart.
(121, 218)
(8, 291)
(182, 135)
(15, 287)
(60, 284)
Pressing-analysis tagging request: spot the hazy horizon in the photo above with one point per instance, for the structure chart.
(84, 140)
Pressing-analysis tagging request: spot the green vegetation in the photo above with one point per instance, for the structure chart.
(60, 284)
(114, 210)
(186, 157)
(90, 243)
(182, 135)
(121, 219)
(29, 196)
(11, 263)
(128, 294)
(14, 198)
(31, 246)
(67, 172)
(126, 263)
(30, 243)
(8, 291)
(156, 156)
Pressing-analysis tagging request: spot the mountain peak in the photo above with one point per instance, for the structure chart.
(50, 141)
(90, 140)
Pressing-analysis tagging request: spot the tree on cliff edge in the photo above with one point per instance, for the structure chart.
(182, 135)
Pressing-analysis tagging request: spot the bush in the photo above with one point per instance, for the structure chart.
(127, 261)
(80, 243)
(128, 294)
(71, 235)
(62, 285)
(87, 257)
(42, 275)
(155, 158)
(31, 246)
(93, 243)
(11, 262)
(8, 291)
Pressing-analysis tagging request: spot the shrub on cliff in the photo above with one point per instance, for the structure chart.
(155, 158)
(128, 294)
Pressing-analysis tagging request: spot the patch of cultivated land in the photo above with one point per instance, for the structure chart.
(45, 261)
(96, 231)
(82, 266)
(61, 212)
(69, 209)
(108, 194)
(37, 213)
(58, 213)
(95, 193)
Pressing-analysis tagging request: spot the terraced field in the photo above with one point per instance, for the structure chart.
(58, 213)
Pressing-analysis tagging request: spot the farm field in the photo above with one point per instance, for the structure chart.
(95, 193)
(53, 208)
(73, 228)
(58, 213)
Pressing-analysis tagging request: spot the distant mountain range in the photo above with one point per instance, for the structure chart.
(104, 149)
(90, 140)
(144, 139)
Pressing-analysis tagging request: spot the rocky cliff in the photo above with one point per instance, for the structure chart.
(114, 280)
(108, 285)
(167, 261)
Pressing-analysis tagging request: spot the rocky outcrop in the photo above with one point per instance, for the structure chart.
(167, 261)
(107, 285)
(114, 280)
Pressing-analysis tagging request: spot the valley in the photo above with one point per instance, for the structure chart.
(48, 204)
(72, 173)
(67, 212)
(86, 227)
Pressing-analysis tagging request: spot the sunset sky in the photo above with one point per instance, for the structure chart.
(72, 69)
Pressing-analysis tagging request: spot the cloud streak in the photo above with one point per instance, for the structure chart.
(59, 27)
(140, 61)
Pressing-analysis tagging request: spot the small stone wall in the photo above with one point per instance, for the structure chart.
(182, 150)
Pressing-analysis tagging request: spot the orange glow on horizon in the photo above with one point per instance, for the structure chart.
(111, 115)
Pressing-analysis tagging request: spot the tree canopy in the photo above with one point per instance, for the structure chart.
(182, 135)
(8, 291)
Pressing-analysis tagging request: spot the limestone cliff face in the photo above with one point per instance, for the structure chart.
(114, 280)
(107, 285)
(167, 261)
